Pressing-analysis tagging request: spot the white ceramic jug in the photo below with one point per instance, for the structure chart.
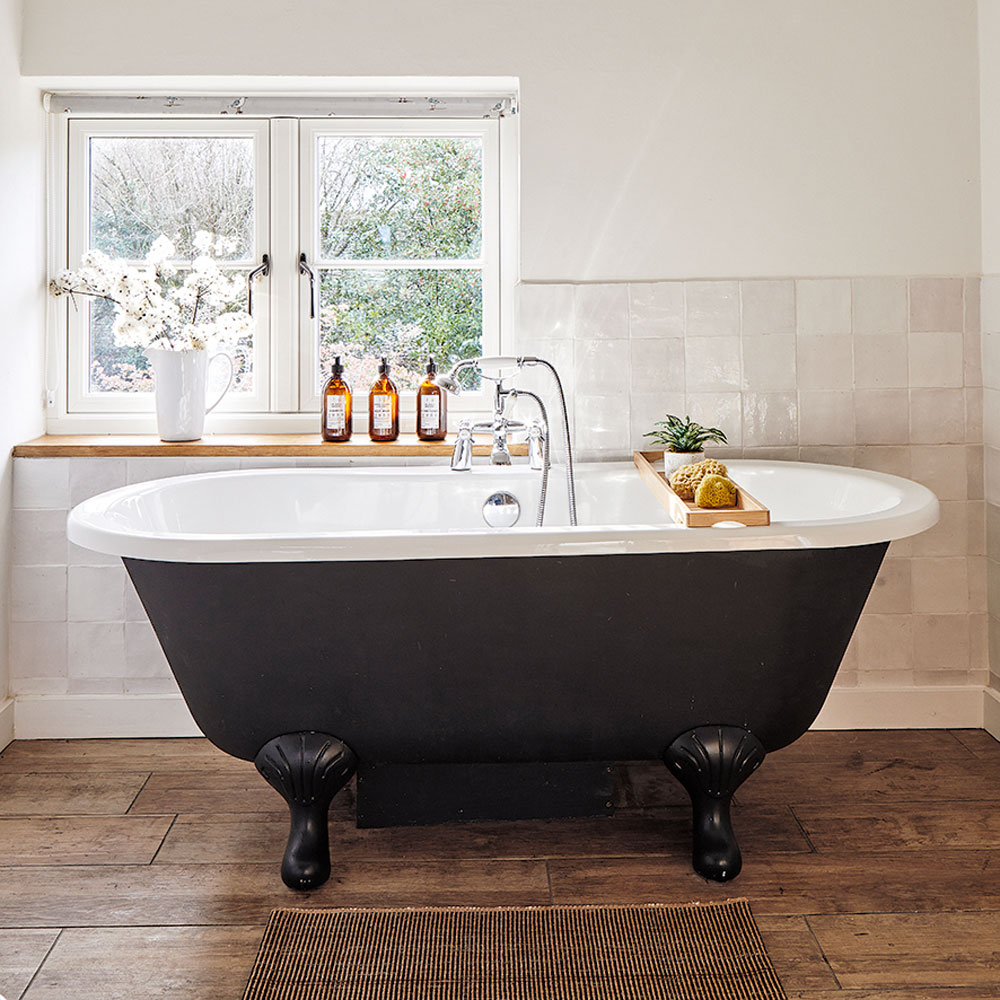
(181, 384)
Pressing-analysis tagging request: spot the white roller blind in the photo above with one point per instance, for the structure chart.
(280, 106)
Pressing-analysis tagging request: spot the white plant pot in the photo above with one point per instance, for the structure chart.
(673, 460)
(181, 383)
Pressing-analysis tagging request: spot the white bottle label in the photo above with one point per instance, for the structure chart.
(336, 414)
(430, 412)
(382, 413)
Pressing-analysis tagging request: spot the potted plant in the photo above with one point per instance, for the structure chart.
(174, 320)
(683, 441)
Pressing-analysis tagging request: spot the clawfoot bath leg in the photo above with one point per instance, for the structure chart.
(711, 762)
(308, 769)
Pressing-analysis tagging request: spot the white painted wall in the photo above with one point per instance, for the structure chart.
(660, 138)
(22, 301)
(989, 123)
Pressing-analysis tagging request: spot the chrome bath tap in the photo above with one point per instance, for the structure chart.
(539, 456)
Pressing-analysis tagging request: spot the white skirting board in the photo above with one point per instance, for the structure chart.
(37, 717)
(991, 712)
(902, 708)
(80, 717)
(6, 721)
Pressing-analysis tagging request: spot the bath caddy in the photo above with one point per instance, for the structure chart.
(748, 510)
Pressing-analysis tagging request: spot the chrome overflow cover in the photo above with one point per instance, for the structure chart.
(501, 510)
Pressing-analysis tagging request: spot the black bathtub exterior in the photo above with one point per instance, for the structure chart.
(708, 660)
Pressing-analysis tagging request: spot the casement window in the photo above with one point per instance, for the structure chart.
(383, 236)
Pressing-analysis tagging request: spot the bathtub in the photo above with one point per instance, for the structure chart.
(316, 619)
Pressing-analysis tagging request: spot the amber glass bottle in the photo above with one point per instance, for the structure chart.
(432, 407)
(383, 407)
(336, 405)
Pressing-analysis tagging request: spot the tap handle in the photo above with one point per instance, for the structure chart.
(536, 445)
(461, 457)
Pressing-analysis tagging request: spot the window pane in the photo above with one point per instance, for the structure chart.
(403, 314)
(114, 368)
(404, 198)
(145, 186)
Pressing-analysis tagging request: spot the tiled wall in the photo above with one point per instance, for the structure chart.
(882, 373)
(991, 439)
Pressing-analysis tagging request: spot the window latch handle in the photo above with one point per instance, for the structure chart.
(304, 268)
(263, 269)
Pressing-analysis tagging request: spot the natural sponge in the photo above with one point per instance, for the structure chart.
(715, 491)
(685, 480)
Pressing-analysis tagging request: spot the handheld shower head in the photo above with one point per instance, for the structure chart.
(448, 382)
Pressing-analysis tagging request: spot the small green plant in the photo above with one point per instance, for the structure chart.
(683, 435)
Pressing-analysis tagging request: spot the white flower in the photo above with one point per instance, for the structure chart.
(161, 251)
(149, 309)
(203, 241)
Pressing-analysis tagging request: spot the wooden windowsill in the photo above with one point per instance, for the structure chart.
(237, 446)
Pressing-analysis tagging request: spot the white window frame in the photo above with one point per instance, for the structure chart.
(80, 131)
(488, 263)
(284, 397)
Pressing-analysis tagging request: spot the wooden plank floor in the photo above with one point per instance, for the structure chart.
(146, 869)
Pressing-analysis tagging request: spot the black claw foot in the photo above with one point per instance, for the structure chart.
(308, 769)
(711, 762)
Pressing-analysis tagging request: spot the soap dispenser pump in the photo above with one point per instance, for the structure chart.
(383, 407)
(336, 405)
(432, 407)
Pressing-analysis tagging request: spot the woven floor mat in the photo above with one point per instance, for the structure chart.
(709, 951)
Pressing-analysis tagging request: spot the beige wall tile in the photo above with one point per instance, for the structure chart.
(826, 418)
(941, 644)
(976, 520)
(879, 305)
(712, 364)
(602, 367)
(978, 584)
(769, 363)
(977, 646)
(885, 643)
(973, 305)
(823, 306)
(656, 309)
(893, 590)
(989, 303)
(974, 416)
(601, 312)
(937, 416)
(974, 460)
(941, 468)
(949, 537)
(770, 419)
(881, 362)
(712, 308)
(937, 305)
(825, 362)
(892, 459)
(973, 347)
(828, 454)
(937, 359)
(940, 585)
(881, 416)
(768, 307)
(718, 409)
(657, 365)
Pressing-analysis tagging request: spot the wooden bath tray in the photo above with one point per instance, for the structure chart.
(748, 509)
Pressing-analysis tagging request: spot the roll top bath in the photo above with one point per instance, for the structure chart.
(236, 569)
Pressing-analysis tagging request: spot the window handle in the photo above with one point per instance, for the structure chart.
(263, 269)
(304, 268)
